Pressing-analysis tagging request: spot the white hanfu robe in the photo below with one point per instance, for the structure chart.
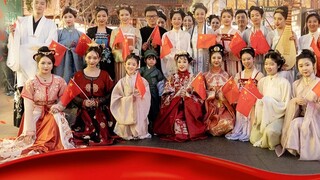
(301, 128)
(270, 110)
(180, 41)
(24, 44)
(129, 110)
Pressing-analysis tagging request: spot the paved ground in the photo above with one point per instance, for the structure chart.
(218, 147)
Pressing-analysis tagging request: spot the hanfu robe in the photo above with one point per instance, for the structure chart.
(71, 62)
(231, 63)
(134, 39)
(200, 56)
(130, 109)
(180, 119)
(242, 128)
(301, 128)
(25, 43)
(181, 42)
(107, 60)
(270, 111)
(52, 131)
(220, 115)
(93, 123)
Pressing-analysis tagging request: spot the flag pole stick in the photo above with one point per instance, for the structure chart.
(79, 88)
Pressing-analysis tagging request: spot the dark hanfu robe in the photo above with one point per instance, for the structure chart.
(71, 62)
(153, 76)
(180, 119)
(93, 123)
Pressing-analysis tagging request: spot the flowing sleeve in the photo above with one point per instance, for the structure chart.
(121, 106)
(29, 122)
(138, 44)
(53, 33)
(63, 86)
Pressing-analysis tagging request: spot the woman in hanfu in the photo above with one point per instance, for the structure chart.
(280, 16)
(220, 115)
(69, 36)
(301, 127)
(130, 102)
(101, 34)
(242, 128)
(181, 113)
(231, 64)
(180, 41)
(200, 56)
(43, 126)
(131, 33)
(94, 122)
(270, 110)
(256, 15)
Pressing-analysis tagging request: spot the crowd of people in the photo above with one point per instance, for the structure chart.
(132, 90)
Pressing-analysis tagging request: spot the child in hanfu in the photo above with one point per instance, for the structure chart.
(181, 113)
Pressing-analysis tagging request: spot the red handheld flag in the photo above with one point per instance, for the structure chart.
(248, 96)
(119, 38)
(206, 40)
(315, 48)
(230, 91)
(5, 2)
(60, 51)
(71, 92)
(236, 44)
(246, 102)
(166, 47)
(155, 36)
(199, 86)
(140, 85)
(251, 86)
(259, 43)
(316, 89)
(82, 45)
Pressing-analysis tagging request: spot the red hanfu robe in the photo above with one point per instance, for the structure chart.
(180, 119)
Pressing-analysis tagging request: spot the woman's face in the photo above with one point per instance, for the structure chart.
(92, 59)
(215, 24)
(45, 65)
(68, 19)
(200, 15)
(102, 18)
(39, 6)
(131, 66)
(279, 21)
(161, 22)
(313, 24)
(216, 59)
(255, 17)
(176, 21)
(270, 66)
(247, 60)
(187, 22)
(182, 63)
(226, 19)
(124, 16)
(305, 67)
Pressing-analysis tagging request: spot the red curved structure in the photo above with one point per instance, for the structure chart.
(127, 162)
